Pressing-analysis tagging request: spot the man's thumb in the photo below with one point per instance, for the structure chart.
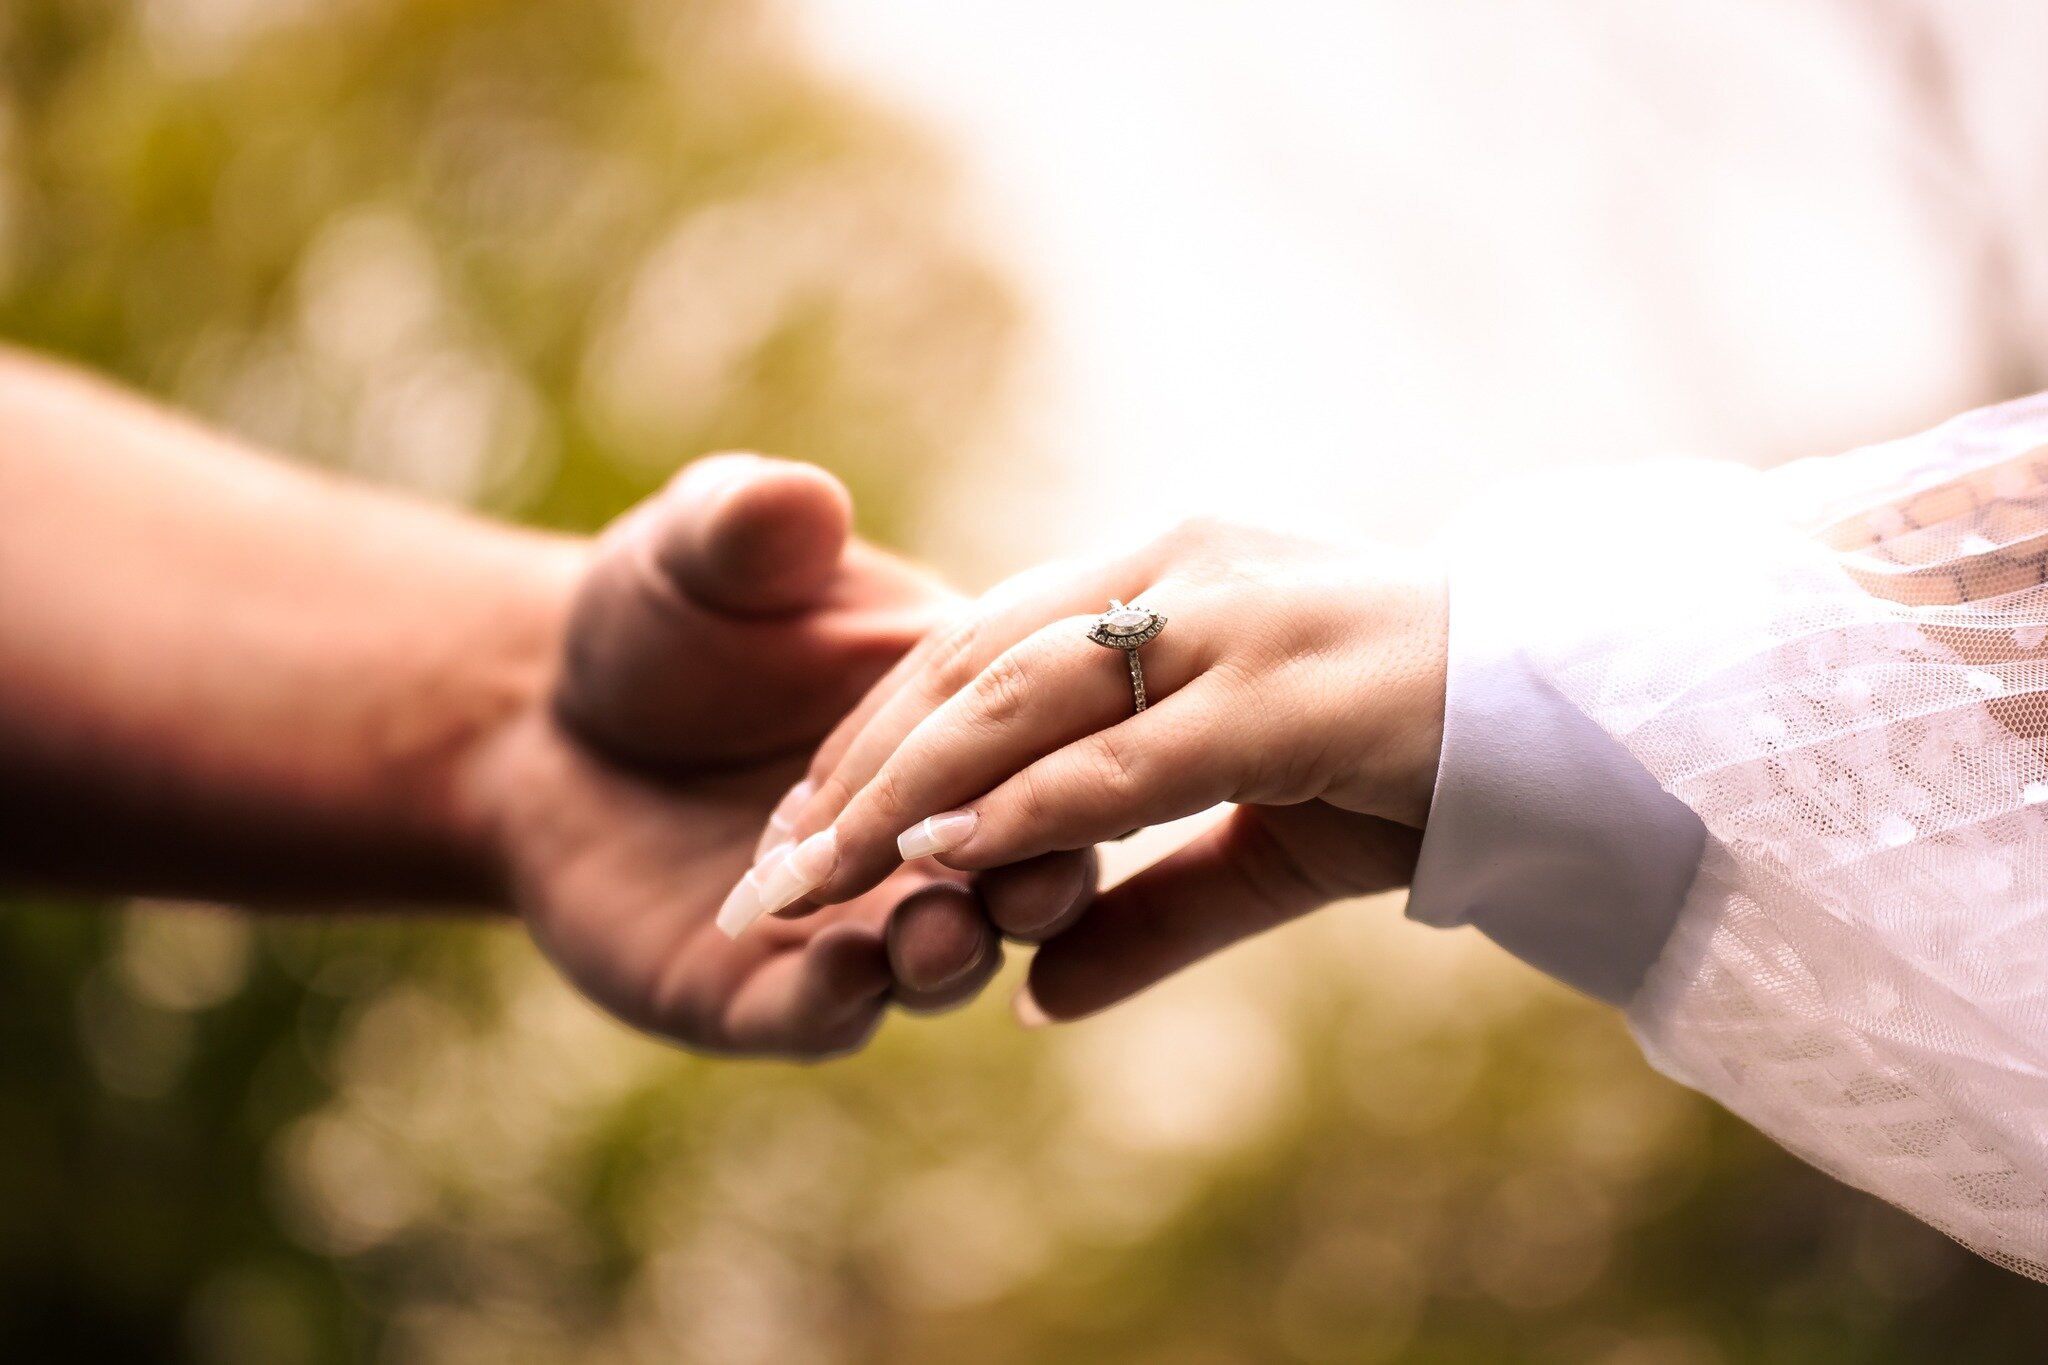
(745, 535)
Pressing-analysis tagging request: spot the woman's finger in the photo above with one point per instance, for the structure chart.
(1049, 691)
(879, 725)
(1260, 868)
(1026, 597)
(1176, 759)
(941, 666)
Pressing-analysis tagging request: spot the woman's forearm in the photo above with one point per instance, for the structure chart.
(220, 675)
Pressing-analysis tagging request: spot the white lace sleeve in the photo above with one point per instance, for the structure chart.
(1842, 668)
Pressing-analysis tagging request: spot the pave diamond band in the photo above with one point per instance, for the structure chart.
(1126, 628)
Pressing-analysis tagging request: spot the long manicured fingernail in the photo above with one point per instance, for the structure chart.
(804, 870)
(743, 903)
(940, 834)
(792, 804)
(1029, 1012)
(782, 820)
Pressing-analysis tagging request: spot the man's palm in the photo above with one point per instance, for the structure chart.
(719, 631)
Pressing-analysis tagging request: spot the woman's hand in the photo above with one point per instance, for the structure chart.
(1289, 673)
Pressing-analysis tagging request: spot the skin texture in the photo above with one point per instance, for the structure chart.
(224, 677)
(1300, 681)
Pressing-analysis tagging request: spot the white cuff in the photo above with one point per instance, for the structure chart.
(1544, 832)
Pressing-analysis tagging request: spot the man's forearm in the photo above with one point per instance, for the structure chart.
(220, 675)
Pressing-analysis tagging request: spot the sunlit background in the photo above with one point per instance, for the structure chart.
(1008, 269)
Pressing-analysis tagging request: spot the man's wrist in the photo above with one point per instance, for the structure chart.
(222, 676)
(499, 670)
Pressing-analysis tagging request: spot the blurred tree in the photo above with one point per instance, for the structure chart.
(531, 253)
(525, 253)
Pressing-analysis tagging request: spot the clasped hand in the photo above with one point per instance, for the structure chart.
(1302, 682)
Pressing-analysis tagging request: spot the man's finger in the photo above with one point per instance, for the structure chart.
(1033, 900)
(1260, 868)
(942, 950)
(733, 592)
(745, 535)
(822, 999)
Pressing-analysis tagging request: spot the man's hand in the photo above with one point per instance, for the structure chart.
(719, 631)
(224, 677)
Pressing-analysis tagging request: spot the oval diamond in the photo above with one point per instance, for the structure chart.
(1126, 621)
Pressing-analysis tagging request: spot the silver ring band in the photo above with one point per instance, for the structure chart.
(1128, 628)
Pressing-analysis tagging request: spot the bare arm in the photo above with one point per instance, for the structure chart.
(223, 675)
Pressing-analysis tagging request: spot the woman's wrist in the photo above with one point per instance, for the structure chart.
(1402, 635)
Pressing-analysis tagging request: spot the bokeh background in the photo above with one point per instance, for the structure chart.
(1003, 268)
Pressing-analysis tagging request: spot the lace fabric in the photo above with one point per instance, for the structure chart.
(1842, 668)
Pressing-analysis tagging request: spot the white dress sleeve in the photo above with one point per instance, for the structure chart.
(1839, 669)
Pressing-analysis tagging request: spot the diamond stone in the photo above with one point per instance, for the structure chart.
(1126, 620)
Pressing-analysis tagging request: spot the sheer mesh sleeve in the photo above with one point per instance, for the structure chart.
(1842, 668)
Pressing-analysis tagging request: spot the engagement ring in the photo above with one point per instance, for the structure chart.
(1126, 628)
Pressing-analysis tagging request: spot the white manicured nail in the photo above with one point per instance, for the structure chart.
(782, 820)
(792, 804)
(742, 904)
(803, 871)
(940, 834)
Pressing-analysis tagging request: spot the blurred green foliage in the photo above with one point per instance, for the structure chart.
(530, 253)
